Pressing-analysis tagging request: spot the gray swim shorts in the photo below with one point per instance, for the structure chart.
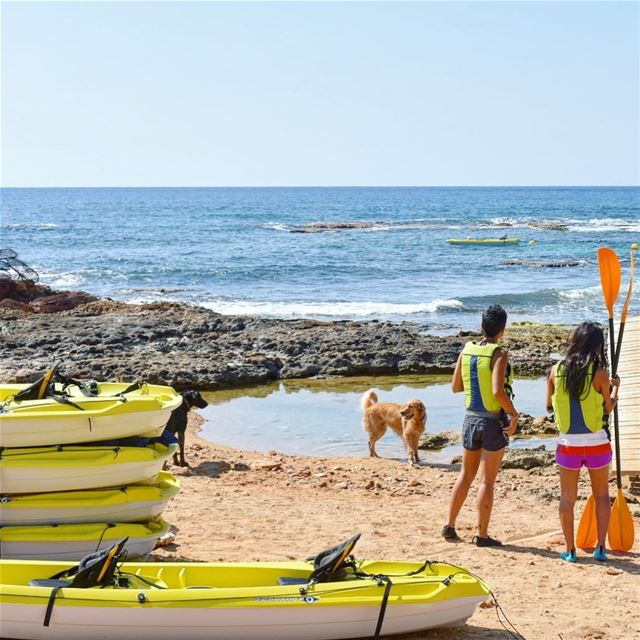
(484, 431)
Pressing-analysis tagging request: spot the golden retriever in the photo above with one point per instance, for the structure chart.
(407, 420)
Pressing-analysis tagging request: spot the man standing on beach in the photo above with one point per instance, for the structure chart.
(484, 374)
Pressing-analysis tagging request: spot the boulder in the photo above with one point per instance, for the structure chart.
(438, 440)
(10, 303)
(543, 425)
(8, 288)
(527, 458)
(61, 301)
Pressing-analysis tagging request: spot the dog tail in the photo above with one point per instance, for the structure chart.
(368, 398)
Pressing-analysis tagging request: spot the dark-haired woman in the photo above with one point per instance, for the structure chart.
(578, 393)
(484, 374)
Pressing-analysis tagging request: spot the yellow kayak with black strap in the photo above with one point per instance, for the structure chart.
(69, 467)
(59, 410)
(74, 541)
(127, 503)
(329, 597)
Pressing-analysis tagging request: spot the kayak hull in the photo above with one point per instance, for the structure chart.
(74, 541)
(236, 601)
(328, 623)
(43, 469)
(129, 503)
(35, 423)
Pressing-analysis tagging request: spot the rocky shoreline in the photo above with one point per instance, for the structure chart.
(193, 347)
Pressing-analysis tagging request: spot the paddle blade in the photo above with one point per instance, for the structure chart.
(623, 317)
(587, 536)
(610, 276)
(621, 532)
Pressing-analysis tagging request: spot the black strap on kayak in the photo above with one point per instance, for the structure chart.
(65, 400)
(383, 606)
(133, 387)
(49, 611)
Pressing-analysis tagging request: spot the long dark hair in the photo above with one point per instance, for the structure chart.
(586, 348)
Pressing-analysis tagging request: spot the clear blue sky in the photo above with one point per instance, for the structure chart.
(224, 94)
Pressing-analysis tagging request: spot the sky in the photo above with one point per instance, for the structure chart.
(320, 93)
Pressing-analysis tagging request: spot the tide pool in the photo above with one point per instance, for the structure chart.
(323, 417)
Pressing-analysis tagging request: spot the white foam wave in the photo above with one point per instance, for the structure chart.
(276, 226)
(580, 294)
(504, 222)
(599, 225)
(30, 225)
(328, 309)
(61, 279)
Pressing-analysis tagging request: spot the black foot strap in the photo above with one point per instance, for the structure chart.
(49, 611)
(383, 606)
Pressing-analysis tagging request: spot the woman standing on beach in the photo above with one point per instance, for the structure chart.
(484, 374)
(577, 393)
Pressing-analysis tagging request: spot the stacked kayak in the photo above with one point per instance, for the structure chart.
(68, 486)
(72, 467)
(74, 541)
(127, 503)
(74, 417)
(485, 242)
(235, 601)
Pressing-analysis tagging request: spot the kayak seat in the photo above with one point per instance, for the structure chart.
(48, 582)
(288, 582)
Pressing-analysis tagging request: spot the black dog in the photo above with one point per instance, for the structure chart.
(178, 421)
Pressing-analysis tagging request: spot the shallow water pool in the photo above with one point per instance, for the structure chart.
(323, 417)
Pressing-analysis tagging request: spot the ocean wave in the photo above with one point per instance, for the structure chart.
(577, 225)
(18, 226)
(599, 225)
(367, 309)
(61, 279)
(537, 300)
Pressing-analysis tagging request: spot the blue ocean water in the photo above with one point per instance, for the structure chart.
(230, 249)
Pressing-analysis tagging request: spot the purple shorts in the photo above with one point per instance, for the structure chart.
(573, 458)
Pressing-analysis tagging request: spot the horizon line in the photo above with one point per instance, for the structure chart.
(354, 186)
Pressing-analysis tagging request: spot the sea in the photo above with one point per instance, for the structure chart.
(232, 250)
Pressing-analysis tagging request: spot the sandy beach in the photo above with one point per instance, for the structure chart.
(237, 505)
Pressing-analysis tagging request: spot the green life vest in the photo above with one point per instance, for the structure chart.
(573, 416)
(477, 380)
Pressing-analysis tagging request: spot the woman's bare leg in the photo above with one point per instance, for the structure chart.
(490, 466)
(568, 495)
(600, 490)
(470, 464)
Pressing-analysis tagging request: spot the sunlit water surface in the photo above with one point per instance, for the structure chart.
(323, 417)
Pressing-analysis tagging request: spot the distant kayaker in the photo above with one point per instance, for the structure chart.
(577, 393)
(483, 372)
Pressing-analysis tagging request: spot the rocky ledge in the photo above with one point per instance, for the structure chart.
(187, 346)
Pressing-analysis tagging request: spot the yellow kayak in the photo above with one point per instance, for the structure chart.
(486, 242)
(69, 468)
(74, 541)
(233, 601)
(68, 416)
(128, 503)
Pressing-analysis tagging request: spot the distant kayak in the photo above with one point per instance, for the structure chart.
(492, 242)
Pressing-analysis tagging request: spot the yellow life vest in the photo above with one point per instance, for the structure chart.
(573, 416)
(477, 378)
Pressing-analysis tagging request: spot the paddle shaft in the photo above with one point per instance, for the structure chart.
(614, 369)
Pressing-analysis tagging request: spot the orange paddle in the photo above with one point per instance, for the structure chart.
(610, 276)
(621, 532)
